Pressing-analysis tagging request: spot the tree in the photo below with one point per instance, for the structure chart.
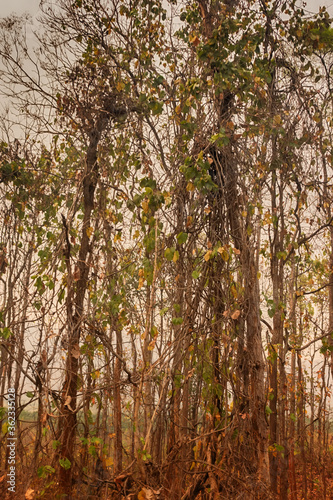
(166, 191)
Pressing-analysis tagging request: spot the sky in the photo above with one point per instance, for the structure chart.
(8, 7)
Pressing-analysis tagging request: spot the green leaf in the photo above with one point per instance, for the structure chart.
(164, 311)
(147, 182)
(154, 332)
(56, 444)
(279, 448)
(65, 463)
(271, 311)
(182, 238)
(268, 410)
(177, 321)
(169, 253)
(43, 471)
(61, 295)
(5, 333)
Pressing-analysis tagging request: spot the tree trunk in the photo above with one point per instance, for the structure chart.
(75, 315)
(118, 442)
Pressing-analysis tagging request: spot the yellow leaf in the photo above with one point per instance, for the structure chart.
(151, 345)
(145, 206)
(224, 253)
(142, 495)
(178, 109)
(167, 198)
(141, 282)
(4, 428)
(207, 256)
(277, 120)
(89, 231)
(190, 187)
(267, 218)
(175, 256)
(108, 462)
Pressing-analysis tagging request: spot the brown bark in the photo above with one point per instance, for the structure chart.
(75, 313)
(292, 321)
(257, 399)
(118, 453)
(301, 408)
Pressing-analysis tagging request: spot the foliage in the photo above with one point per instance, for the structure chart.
(166, 248)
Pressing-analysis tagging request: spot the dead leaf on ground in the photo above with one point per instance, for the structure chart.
(29, 494)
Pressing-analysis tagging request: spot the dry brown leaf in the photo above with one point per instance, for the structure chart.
(235, 315)
(76, 351)
(29, 494)
(68, 402)
(194, 41)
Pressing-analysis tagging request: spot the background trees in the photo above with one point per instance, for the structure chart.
(166, 252)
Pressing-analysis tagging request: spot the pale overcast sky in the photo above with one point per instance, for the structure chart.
(8, 7)
(20, 6)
